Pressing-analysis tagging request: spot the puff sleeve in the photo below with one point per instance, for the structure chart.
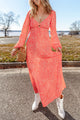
(24, 32)
(55, 42)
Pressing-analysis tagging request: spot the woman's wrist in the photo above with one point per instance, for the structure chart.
(16, 49)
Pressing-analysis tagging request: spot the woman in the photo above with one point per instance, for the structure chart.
(44, 64)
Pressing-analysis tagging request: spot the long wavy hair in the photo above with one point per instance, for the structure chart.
(34, 7)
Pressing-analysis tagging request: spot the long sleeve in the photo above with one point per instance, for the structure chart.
(24, 32)
(55, 42)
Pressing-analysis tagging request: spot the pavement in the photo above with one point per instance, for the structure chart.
(17, 96)
(9, 39)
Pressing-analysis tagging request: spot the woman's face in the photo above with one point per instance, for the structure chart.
(37, 2)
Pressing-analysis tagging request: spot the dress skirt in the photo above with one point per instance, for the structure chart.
(46, 76)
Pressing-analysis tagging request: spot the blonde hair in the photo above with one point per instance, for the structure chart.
(34, 7)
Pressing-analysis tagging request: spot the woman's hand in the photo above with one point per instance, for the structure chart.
(14, 51)
(58, 49)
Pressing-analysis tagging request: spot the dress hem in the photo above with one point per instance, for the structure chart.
(53, 98)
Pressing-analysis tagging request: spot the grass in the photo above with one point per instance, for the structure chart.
(70, 49)
(5, 53)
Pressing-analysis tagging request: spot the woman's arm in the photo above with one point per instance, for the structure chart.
(24, 32)
(55, 42)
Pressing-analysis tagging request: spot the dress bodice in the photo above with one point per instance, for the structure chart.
(45, 24)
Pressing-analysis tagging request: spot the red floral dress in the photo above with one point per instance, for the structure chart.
(44, 65)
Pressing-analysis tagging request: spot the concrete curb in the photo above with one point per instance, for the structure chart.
(71, 63)
(7, 65)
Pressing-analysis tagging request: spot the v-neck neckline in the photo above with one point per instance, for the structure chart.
(43, 20)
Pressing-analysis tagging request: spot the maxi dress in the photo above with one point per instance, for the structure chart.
(44, 65)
